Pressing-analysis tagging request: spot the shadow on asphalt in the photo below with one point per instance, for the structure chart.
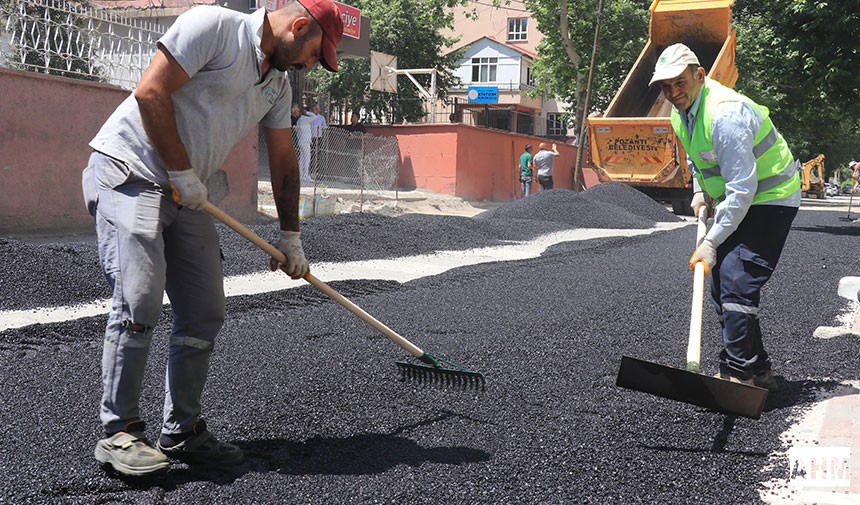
(791, 394)
(360, 454)
(365, 454)
(845, 230)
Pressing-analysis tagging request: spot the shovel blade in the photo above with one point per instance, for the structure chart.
(691, 387)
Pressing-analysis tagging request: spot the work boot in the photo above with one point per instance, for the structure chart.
(735, 379)
(199, 446)
(130, 453)
(766, 380)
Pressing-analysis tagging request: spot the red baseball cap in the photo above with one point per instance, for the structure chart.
(327, 15)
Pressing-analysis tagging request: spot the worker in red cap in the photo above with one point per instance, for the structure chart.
(217, 74)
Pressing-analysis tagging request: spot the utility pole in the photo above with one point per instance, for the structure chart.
(577, 171)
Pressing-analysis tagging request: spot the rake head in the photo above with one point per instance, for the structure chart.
(431, 369)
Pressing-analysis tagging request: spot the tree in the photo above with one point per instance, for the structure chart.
(410, 30)
(565, 50)
(801, 59)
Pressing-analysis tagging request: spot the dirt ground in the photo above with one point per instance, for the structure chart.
(423, 201)
(390, 203)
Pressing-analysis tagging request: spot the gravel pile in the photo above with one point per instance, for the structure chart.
(48, 274)
(76, 277)
(608, 205)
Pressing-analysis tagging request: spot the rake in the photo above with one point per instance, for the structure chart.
(422, 367)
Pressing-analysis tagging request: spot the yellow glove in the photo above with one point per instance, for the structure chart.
(705, 253)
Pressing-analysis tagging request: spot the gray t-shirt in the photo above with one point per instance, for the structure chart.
(225, 99)
(543, 160)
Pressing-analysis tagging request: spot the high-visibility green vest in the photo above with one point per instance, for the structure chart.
(776, 169)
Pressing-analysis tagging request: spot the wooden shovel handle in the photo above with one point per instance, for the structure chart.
(273, 251)
(694, 343)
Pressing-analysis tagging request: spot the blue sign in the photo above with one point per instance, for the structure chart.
(483, 94)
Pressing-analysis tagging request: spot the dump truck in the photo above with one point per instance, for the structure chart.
(632, 141)
(812, 179)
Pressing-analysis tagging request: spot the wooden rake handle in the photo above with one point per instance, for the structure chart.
(273, 251)
(694, 343)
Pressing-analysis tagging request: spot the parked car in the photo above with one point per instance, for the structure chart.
(846, 189)
(831, 189)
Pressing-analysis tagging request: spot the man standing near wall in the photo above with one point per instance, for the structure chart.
(526, 167)
(217, 74)
(543, 162)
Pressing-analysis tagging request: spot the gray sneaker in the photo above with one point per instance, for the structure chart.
(201, 447)
(766, 380)
(130, 454)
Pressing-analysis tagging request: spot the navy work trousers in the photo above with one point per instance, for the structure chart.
(745, 262)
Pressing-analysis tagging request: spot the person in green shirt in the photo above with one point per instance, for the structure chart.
(526, 170)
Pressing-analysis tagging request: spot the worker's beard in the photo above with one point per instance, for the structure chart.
(288, 55)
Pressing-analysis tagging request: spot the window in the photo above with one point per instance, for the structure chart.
(555, 125)
(518, 29)
(484, 69)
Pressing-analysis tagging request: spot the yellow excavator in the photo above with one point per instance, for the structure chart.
(812, 178)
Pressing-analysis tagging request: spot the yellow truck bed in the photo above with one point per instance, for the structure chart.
(633, 141)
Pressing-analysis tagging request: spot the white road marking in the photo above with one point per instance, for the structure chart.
(397, 269)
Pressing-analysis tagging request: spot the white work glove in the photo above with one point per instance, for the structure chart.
(188, 191)
(290, 244)
(700, 199)
(706, 253)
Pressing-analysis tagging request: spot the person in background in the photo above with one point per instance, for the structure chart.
(216, 75)
(295, 112)
(543, 162)
(855, 175)
(355, 124)
(303, 144)
(743, 165)
(526, 169)
(318, 125)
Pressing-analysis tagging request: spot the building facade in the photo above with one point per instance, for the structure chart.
(499, 46)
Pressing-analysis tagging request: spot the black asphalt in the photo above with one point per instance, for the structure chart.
(312, 395)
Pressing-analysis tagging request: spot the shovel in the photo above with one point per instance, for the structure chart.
(690, 385)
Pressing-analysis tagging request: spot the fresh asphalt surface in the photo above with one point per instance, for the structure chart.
(311, 393)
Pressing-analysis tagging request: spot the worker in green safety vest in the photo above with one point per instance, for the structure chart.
(745, 173)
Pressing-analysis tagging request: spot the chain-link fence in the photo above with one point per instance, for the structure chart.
(349, 166)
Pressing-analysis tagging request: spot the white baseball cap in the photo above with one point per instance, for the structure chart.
(852, 165)
(672, 62)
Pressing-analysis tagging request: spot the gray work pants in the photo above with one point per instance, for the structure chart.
(148, 245)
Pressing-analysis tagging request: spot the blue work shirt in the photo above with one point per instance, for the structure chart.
(733, 134)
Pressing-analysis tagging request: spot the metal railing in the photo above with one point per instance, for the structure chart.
(74, 40)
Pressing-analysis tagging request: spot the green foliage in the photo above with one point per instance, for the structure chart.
(410, 30)
(801, 59)
(624, 31)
